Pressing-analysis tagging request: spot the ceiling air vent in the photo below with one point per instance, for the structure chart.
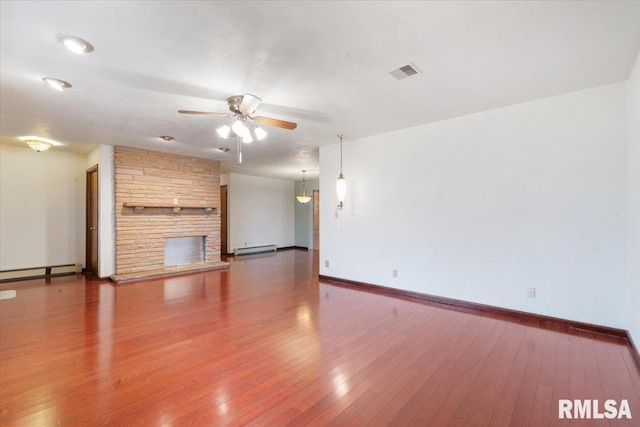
(404, 72)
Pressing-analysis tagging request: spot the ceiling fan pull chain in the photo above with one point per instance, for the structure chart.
(238, 150)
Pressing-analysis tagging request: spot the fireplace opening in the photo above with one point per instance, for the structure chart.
(184, 250)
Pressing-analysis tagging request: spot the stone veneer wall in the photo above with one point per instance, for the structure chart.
(159, 178)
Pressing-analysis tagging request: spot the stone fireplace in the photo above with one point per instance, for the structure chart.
(164, 198)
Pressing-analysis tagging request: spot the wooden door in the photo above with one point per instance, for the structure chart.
(92, 221)
(223, 220)
(316, 220)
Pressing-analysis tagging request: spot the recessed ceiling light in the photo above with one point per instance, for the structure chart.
(57, 84)
(75, 44)
(167, 137)
(223, 149)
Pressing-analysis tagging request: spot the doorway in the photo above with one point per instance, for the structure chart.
(316, 220)
(223, 220)
(91, 257)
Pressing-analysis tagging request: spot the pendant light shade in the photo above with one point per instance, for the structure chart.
(303, 197)
(341, 183)
(341, 188)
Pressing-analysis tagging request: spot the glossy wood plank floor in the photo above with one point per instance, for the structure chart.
(265, 344)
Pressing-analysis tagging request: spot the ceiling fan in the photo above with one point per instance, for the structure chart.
(242, 107)
(244, 126)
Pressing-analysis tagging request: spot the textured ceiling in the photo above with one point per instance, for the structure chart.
(324, 65)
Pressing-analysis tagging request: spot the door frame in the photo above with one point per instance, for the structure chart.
(224, 220)
(315, 221)
(91, 170)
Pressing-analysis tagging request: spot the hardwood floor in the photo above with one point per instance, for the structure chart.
(264, 343)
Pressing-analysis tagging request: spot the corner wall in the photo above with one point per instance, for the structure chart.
(480, 208)
(633, 200)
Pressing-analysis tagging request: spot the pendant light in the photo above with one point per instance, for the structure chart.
(303, 197)
(341, 183)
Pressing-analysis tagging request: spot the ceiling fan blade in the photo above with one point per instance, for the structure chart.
(275, 122)
(249, 104)
(203, 113)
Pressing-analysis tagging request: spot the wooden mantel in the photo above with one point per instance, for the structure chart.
(139, 207)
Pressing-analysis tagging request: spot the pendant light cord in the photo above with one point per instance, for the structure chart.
(340, 136)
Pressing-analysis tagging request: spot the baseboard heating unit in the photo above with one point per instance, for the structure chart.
(35, 272)
(255, 250)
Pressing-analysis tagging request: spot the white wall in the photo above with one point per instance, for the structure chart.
(103, 156)
(481, 207)
(261, 211)
(42, 208)
(633, 198)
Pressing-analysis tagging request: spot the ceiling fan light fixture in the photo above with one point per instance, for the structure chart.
(260, 133)
(224, 131)
(242, 122)
(249, 103)
(75, 44)
(56, 84)
(239, 128)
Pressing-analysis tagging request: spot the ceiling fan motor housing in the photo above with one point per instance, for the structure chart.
(234, 103)
(242, 107)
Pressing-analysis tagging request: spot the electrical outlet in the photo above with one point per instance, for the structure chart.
(175, 201)
(531, 292)
(326, 263)
(395, 272)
